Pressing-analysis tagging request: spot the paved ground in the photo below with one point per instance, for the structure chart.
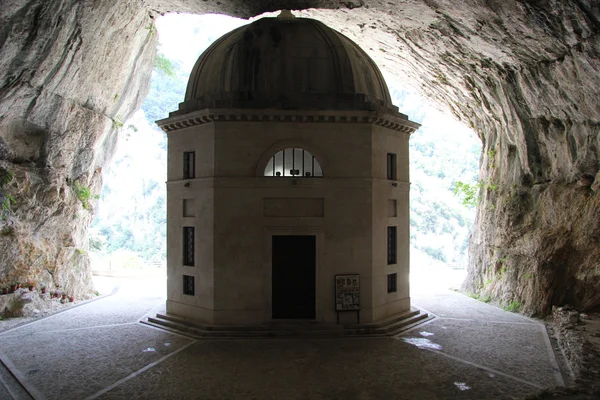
(99, 351)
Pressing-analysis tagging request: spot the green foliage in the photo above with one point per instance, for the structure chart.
(151, 28)
(164, 66)
(166, 92)
(84, 194)
(7, 203)
(132, 213)
(117, 122)
(6, 200)
(468, 192)
(434, 252)
(485, 299)
(439, 222)
(513, 306)
(502, 272)
(96, 241)
(491, 158)
(490, 186)
(7, 230)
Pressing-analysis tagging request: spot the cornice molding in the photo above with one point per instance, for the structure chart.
(207, 116)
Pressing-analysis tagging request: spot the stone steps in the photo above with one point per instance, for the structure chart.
(388, 327)
(10, 386)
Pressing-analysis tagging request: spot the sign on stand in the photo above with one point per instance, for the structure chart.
(347, 295)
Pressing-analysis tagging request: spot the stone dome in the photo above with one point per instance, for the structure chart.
(286, 63)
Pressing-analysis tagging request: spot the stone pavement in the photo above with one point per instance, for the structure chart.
(99, 350)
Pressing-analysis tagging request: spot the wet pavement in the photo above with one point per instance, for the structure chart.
(99, 350)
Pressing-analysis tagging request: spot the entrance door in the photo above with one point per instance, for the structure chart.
(294, 270)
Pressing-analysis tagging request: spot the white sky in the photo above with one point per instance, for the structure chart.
(183, 37)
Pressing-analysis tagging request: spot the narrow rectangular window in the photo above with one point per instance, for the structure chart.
(391, 166)
(189, 285)
(188, 246)
(189, 167)
(392, 283)
(391, 245)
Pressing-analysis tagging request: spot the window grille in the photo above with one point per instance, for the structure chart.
(188, 285)
(391, 166)
(391, 245)
(294, 162)
(188, 246)
(189, 167)
(392, 283)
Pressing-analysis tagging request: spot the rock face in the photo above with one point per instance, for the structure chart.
(70, 72)
(524, 74)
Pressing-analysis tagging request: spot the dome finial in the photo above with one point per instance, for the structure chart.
(286, 14)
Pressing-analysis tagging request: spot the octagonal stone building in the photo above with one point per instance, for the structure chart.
(288, 182)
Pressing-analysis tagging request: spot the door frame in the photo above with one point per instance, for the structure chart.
(268, 260)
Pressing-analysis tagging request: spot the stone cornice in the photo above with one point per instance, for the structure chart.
(207, 116)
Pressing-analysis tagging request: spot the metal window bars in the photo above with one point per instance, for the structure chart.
(188, 246)
(293, 162)
(391, 245)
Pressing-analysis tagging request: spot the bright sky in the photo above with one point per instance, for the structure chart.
(183, 37)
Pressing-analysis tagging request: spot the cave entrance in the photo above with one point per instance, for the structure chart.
(129, 232)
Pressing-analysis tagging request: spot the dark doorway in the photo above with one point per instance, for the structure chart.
(294, 266)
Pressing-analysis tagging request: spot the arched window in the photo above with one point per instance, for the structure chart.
(294, 162)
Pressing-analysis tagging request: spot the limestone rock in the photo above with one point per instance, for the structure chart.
(69, 72)
(25, 298)
(580, 348)
(596, 184)
(24, 303)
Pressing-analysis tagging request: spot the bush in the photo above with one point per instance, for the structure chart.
(164, 66)
(513, 306)
(436, 253)
(468, 192)
(6, 200)
(84, 194)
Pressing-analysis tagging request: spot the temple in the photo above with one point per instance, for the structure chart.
(288, 182)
